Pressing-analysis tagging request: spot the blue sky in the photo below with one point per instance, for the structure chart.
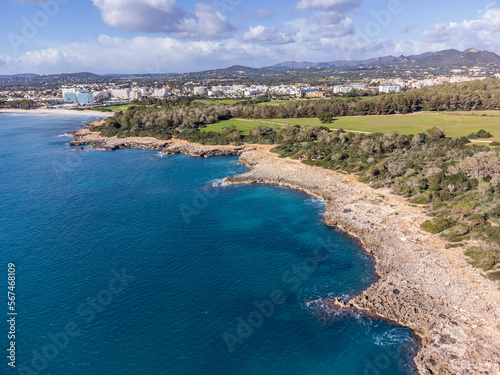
(157, 36)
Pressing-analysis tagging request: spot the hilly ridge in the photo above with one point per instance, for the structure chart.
(444, 59)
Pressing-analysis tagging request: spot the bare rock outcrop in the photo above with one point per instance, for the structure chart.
(86, 137)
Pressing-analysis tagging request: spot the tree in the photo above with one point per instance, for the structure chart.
(435, 134)
(326, 118)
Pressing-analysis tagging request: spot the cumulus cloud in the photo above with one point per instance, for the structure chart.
(140, 54)
(267, 35)
(336, 5)
(482, 33)
(146, 16)
(165, 16)
(329, 19)
(145, 54)
(205, 39)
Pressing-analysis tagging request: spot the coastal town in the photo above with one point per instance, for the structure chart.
(85, 89)
(91, 94)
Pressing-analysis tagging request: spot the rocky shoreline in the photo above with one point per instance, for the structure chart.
(86, 137)
(432, 290)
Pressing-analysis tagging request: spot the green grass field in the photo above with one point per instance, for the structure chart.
(220, 101)
(115, 108)
(455, 124)
(243, 126)
(279, 102)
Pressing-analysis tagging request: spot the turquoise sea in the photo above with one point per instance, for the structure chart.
(128, 262)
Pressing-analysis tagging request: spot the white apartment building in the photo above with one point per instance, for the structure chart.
(101, 95)
(389, 88)
(342, 89)
(123, 94)
(200, 90)
(160, 93)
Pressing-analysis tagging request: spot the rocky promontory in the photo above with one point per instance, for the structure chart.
(86, 137)
(422, 285)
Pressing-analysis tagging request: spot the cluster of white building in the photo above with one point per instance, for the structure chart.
(386, 87)
(75, 95)
(418, 84)
(239, 91)
(389, 87)
(89, 95)
(236, 91)
(293, 90)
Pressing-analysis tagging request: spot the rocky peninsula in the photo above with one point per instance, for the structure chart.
(422, 285)
(86, 137)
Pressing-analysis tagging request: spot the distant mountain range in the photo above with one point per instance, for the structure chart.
(440, 62)
(443, 59)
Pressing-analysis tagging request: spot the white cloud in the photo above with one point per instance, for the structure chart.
(208, 24)
(146, 16)
(336, 5)
(329, 18)
(267, 35)
(327, 35)
(139, 55)
(145, 54)
(479, 33)
(165, 16)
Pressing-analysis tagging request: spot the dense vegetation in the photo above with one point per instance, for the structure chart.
(19, 104)
(459, 183)
(166, 118)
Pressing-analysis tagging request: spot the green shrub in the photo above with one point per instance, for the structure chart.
(484, 134)
(452, 237)
(495, 212)
(480, 134)
(480, 258)
(421, 200)
(437, 225)
(493, 275)
(445, 196)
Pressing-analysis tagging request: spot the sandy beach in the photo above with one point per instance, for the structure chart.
(66, 112)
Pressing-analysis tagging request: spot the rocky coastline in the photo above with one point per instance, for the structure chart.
(451, 307)
(432, 290)
(86, 137)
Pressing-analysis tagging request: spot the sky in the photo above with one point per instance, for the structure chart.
(174, 36)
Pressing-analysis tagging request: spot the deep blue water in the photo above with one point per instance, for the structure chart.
(213, 279)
